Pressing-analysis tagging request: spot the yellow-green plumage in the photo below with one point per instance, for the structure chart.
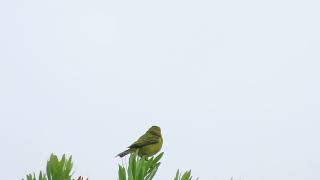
(147, 145)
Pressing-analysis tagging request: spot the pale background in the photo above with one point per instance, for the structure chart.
(233, 84)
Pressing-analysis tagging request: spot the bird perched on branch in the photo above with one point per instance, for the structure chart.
(147, 145)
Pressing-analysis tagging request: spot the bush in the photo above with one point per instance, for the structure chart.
(139, 168)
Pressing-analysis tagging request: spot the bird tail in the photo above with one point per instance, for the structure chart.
(124, 153)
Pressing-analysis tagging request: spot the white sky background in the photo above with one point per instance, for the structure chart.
(233, 84)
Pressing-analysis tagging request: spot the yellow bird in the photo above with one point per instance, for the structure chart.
(147, 145)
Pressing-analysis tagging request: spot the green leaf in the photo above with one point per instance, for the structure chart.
(177, 175)
(158, 158)
(122, 173)
(186, 175)
(59, 169)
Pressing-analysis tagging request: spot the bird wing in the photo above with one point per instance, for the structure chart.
(144, 140)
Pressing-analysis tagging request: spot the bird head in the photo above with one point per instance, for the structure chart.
(155, 130)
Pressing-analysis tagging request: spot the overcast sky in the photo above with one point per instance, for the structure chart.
(234, 85)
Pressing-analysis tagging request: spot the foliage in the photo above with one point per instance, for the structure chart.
(185, 176)
(41, 176)
(59, 169)
(140, 168)
(56, 169)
